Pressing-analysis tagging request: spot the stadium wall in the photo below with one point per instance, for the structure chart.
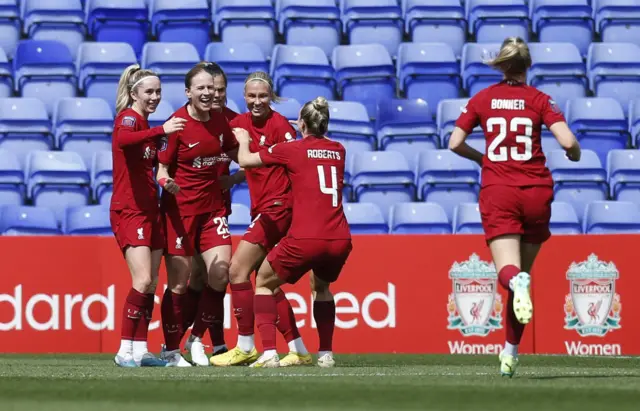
(404, 294)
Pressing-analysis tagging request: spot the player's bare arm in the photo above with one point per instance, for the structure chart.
(566, 139)
(165, 180)
(246, 158)
(226, 182)
(458, 145)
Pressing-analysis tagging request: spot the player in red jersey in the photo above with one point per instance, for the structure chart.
(134, 213)
(517, 188)
(271, 202)
(319, 238)
(195, 214)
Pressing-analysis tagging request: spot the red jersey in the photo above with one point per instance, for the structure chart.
(225, 161)
(134, 148)
(193, 156)
(268, 186)
(315, 167)
(511, 115)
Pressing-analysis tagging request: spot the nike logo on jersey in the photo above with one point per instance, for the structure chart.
(192, 145)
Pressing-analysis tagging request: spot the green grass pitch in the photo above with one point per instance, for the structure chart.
(360, 382)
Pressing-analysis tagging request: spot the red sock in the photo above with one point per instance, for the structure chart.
(210, 311)
(266, 315)
(506, 274)
(171, 311)
(142, 330)
(132, 311)
(242, 300)
(324, 313)
(216, 332)
(286, 322)
(514, 328)
(190, 308)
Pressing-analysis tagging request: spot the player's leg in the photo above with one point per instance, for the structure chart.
(197, 280)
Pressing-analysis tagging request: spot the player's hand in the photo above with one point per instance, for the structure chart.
(573, 156)
(242, 135)
(174, 124)
(170, 185)
(226, 182)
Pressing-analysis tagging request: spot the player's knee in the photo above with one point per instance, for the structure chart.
(238, 271)
(267, 279)
(219, 277)
(320, 287)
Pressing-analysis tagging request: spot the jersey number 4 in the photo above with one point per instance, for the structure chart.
(333, 190)
(497, 152)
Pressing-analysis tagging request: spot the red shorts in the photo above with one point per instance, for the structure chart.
(268, 228)
(516, 210)
(191, 234)
(292, 258)
(137, 229)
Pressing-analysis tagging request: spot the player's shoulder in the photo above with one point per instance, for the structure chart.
(240, 120)
(128, 118)
(229, 114)
(183, 113)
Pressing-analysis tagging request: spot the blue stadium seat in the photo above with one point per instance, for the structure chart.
(239, 219)
(564, 219)
(612, 217)
(494, 20)
(623, 170)
(240, 194)
(634, 121)
(171, 61)
(599, 124)
(445, 178)
(617, 20)
(467, 219)
(428, 71)
(448, 112)
(24, 220)
(476, 74)
(578, 183)
(418, 218)
(57, 179)
(231, 105)
(309, 23)
(83, 125)
(44, 69)
(405, 126)
(365, 218)
(161, 115)
(246, 21)
(563, 21)
(289, 108)
(436, 21)
(613, 71)
(350, 125)
(557, 70)
(102, 175)
(6, 76)
(87, 220)
(12, 188)
(99, 68)
(119, 20)
(181, 21)
(373, 21)
(382, 177)
(302, 72)
(364, 73)
(24, 126)
(9, 26)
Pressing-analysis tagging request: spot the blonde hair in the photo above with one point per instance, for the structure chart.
(315, 115)
(128, 82)
(514, 57)
(264, 77)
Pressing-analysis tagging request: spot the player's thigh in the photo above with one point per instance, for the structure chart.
(178, 270)
(181, 232)
(334, 255)
(138, 260)
(505, 250)
(246, 258)
(198, 277)
(500, 211)
(536, 204)
(291, 259)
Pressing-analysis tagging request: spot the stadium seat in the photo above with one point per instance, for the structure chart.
(448, 112)
(302, 72)
(365, 218)
(119, 20)
(26, 220)
(467, 219)
(171, 61)
(163, 112)
(101, 175)
(44, 69)
(494, 20)
(405, 126)
(87, 220)
(309, 23)
(246, 21)
(445, 178)
(181, 21)
(57, 179)
(564, 219)
(428, 71)
(599, 124)
(613, 71)
(557, 70)
(24, 126)
(418, 218)
(240, 194)
(100, 65)
(612, 217)
(12, 188)
(563, 21)
(83, 125)
(9, 26)
(373, 21)
(623, 171)
(617, 20)
(634, 121)
(6, 77)
(382, 177)
(578, 183)
(364, 73)
(288, 107)
(351, 126)
(436, 21)
(239, 219)
(476, 74)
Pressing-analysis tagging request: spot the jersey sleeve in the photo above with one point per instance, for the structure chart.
(469, 118)
(277, 154)
(128, 134)
(229, 142)
(285, 132)
(168, 150)
(551, 113)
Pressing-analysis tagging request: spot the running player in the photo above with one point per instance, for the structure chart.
(319, 238)
(134, 213)
(517, 188)
(195, 214)
(270, 191)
